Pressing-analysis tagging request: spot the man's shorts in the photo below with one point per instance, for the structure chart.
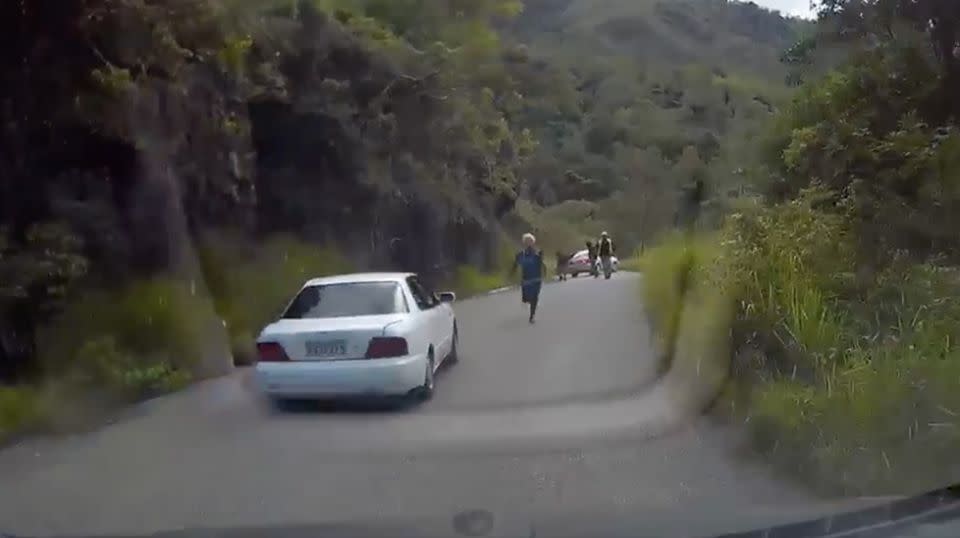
(530, 293)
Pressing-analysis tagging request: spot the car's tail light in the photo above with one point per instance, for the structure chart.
(271, 352)
(383, 347)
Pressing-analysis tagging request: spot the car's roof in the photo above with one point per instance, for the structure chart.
(358, 277)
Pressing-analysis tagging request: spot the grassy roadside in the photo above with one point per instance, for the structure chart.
(843, 381)
(469, 281)
(249, 284)
(690, 315)
(112, 347)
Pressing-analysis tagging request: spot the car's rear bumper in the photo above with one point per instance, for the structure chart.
(577, 268)
(320, 379)
(571, 269)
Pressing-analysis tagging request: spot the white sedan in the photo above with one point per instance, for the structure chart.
(580, 263)
(377, 334)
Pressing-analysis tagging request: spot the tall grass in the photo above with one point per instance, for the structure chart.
(151, 336)
(154, 335)
(142, 339)
(673, 273)
(469, 280)
(690, 314)
(109, 347)
(883, 422)
(851, 381)
(19, 409)
(163, 317)
(251, 282)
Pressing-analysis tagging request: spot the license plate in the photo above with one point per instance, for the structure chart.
(327, 348)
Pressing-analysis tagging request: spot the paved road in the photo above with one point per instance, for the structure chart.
(560, 422)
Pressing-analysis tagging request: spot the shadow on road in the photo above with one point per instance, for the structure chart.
(368, 405)
(356, 405)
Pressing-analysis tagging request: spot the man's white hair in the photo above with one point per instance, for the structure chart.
(529, 239)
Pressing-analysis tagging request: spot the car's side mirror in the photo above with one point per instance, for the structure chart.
(447, 297)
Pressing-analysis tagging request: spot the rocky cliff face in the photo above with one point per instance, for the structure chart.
(132, 150)
(352, 152)
(323, 136)
(135, 127)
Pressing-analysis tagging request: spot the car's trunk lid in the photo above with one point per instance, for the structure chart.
(327, 338)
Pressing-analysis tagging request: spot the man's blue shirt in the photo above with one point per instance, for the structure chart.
(530, 262)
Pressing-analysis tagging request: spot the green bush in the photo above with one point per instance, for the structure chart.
(20, 409)
(114, 346)
(785, 268)
(883, 422)
(564, 227)
(234, 52)
(854, 389)
(101, 365)
(251, 283)
(243, 347)
(633, 263)
(789, 267)
(674, 272)
(690, 313)
(469, 280)
(161, 319)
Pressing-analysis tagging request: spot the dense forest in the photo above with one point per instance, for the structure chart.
(656, 101)
(172, 170)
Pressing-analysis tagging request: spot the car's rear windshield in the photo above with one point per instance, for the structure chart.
(348, 299)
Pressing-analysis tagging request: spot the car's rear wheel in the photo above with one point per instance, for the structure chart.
(454, 356)
(429, 381)
(575, 275)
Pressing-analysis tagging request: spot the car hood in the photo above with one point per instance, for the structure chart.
(934, 514)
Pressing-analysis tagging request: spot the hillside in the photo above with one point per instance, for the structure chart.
(728, 35)
(644, 100)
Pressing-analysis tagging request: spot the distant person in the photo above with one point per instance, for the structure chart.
(592, 254)
(530, 261)
(563, 259)
(605, 250)
(399, 254)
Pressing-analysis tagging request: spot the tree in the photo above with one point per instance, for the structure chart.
(35, 278)
(879, 21)
(693, 176)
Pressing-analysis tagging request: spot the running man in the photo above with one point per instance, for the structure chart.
(532, 269)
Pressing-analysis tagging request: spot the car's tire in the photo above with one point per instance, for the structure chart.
(454, 356)
(575, 275)
(426, 391)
